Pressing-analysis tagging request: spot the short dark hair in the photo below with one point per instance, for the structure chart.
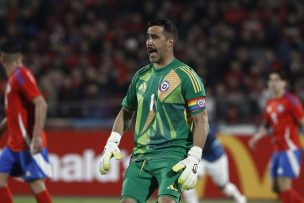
(10, 47)
(168, 26)
(282, 74)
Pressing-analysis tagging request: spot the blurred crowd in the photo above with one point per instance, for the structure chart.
(85, 52)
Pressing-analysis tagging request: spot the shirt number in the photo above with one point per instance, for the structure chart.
(151, 102)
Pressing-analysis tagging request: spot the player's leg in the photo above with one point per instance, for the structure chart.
(219, 172)
(274, 185)
(138, 184)
(7, 160)
(274, 166)
(35, 168)
(3, 179)
(283, 187)
(40, 191)
(289, 168)
(191, 195)
(128, 200)
(164, 199)
(232, 191)
(286, 193)
(284, 183)
(169, 190)
(5, 193)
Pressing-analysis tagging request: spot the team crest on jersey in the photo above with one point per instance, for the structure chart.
(201, 102)
(164, 86)
(280, 108)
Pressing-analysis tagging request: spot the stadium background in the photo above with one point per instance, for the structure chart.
(84, 53)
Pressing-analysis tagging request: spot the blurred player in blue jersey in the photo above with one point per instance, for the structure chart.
(215, 163)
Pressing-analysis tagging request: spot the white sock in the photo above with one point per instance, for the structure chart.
(231, 191)
(190, 196)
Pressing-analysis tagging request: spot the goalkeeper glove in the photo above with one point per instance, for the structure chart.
(111, 149)
(188, 178)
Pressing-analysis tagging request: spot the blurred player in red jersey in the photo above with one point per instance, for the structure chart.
(283, 113)
(25, 154)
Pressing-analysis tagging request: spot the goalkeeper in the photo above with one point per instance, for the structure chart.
(171, 123)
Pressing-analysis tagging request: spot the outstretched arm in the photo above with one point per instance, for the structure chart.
(262, 132)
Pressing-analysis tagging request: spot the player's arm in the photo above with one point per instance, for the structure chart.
(262, 129)
(200, 129)
(29, 88)
(40, 117)
(121, 123)
(188, 178)
(3, 127)
(194, 94)
(297, 110)
(262, 132)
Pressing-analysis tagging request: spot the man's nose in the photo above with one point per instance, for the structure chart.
(149, 42)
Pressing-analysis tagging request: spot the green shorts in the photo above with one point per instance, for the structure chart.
(142, 178)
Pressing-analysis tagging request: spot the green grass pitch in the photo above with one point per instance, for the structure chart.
(30, 199)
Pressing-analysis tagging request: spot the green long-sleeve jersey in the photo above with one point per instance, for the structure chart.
(164, 100)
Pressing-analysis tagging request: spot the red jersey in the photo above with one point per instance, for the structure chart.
(21, 89)
(283, 115)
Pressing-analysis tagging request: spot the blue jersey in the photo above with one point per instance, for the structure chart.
(213, 149)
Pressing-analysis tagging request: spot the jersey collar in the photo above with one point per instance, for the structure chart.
(167, 67)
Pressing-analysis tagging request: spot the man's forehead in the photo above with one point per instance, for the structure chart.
(274, 76)
(155, 29)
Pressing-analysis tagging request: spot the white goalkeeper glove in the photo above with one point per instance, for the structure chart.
(111, 149)
(188, 178)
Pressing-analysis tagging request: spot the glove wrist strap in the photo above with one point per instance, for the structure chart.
(196, 152)
(114, 137)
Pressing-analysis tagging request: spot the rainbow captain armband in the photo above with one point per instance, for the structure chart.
(196, 104)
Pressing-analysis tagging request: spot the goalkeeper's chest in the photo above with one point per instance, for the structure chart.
(160, 89)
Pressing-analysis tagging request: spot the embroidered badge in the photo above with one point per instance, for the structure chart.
(164, 86)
